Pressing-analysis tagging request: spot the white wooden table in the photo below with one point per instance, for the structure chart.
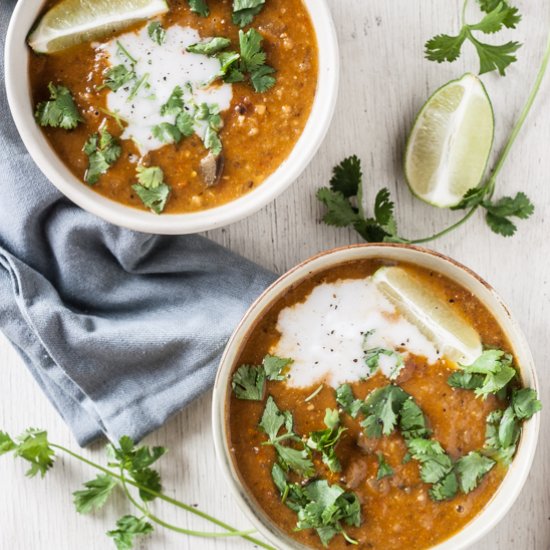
(384, 82)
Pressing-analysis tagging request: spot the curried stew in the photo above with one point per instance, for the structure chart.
(354, 420)
(184, 111)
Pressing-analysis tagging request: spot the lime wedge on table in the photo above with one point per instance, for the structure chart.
(73, 22)
(453, 336)
(450, 142)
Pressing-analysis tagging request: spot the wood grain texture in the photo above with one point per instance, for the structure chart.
(384, 82)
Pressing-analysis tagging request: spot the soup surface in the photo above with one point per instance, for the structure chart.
(398, 508)
(257, 130)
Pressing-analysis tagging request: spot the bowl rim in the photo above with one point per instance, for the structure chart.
(516, 476)
(22, 110)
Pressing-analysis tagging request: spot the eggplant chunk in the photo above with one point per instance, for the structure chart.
(212, 169)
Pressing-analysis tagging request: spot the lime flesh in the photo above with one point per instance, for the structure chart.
(455, 337)
(450, 142)
(73, 22)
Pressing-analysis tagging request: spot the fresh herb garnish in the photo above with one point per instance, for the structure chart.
(412, 421)
(320, 506)
(118, 76)
(488, 374)
(325, 441)
(210, 115)
(156, 32)
(129, 466)
(60, 111)
(137, 86)
(498, 15)
(235, 67)
(123, 52)
(103, 151)
(128, 528)
(244, 11)
(151, 188)
(347, 401)
(471, 469)
(382, 408)
(384, 469)
(199, 7)
(210, 47)
(273, 419)
(372, 357)
(249, 380)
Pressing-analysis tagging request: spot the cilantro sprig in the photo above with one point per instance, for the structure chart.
(151, 188)
(320, 506)
(344, 207)
(129, 466)
(60, 111)
(498, 15)
(325, 441)
(244, 11)
(249, 64)
(248, 381)
(103, 150)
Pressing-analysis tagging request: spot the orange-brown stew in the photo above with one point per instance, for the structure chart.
(260, 129)
(397, 511)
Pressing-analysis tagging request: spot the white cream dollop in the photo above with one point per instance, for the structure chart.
(165, 66)
(324, 334)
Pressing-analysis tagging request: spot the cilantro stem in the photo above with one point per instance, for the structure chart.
(125, 52)
(161, 496)
(446, 230)
(521, 120)
(463, 15)
(175, 528)
(138, 86)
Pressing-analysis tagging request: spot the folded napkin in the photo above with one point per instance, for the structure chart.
(119, 328)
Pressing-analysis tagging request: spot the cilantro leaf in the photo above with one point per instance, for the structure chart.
(465, 380)
(372, 358)
(60, 111)
(340, 212)
(295, 459)
(499, 213)
(210, 114)
(244, 11)
(151, 188)
(156, 32)
(262, 79)
(7, 444)
(346, 400)
(435, 463)
(199, 7)
(103, 151)
(128, 528)
(274, 366)
(34, 447)
(174, 104)
(471, 469)
(272, 419)
(524, 403)
(412, 421)
(248, 382)
(325, 441)
(501, 435)
(328, 506)
(382, 407)
(384, 469)
(185, 124)
(118, 76)
(445, 489)
(347, 176)
(95, 495)
(490, 373)
(166, 132)
(210, 47)
(445, 47)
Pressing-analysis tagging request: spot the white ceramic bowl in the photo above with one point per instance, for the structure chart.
(19, 97)
(517, 474)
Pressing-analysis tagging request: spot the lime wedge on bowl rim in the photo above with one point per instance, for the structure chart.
(438, 321)
(73, 22)
(450, 143)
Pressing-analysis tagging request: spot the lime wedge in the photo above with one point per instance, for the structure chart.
(450, 142)
(73, 22)
(454, 337)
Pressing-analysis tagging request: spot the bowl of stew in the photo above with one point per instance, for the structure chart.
(378, 395)
(176, 123)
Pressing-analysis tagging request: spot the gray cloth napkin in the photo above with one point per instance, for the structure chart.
(119, 328)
